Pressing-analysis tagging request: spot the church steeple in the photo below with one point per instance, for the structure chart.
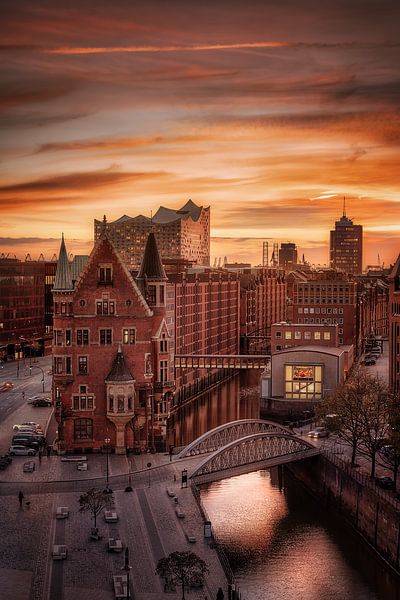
(151, 267)
(63, 279)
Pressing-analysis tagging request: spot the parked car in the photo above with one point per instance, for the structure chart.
(19, 450)
(42, 402)
(33, 398)
(27, 440)
(384, 482)
(319, 432)
(368, 362)
(28, 466)
(32, 424)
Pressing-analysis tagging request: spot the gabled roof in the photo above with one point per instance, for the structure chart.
(105, 239)
(119, 370)
(151, 267)
(63, 279)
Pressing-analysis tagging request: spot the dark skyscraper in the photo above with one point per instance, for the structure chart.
(288, 255)
(346, 245)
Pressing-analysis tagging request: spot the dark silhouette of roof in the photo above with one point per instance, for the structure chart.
(119, 370)
(151, 267)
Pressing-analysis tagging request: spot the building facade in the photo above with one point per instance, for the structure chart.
(394, 328)
(288, 255)
(287, 335)
(346, 246)
(112, 354)
(182, 234)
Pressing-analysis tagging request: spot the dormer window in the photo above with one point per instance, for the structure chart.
(105, 274)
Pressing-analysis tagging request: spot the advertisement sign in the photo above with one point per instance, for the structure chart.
(303, 373)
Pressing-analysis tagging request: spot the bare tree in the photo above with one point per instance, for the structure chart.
(183, 568)
(347, 403)
(390, 455)
(94, 501)
(375, 417)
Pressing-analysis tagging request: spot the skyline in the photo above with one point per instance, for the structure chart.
(269, 114)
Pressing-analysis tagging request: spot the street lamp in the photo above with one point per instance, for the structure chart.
(37, 367)
(127, 569)
(108, 490)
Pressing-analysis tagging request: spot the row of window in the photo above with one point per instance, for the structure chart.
(62, 365)
(318, 321)
(334, 300)
(317, 310)
(82, 337)
(318, 335)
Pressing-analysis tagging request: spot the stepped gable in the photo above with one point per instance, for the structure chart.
(151, 267)
(119, 370)
(63, 278)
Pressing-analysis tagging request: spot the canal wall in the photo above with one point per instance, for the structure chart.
(373, 512)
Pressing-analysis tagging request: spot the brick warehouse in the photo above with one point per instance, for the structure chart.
(111, 349)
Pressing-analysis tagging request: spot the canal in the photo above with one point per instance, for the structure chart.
(280, 542)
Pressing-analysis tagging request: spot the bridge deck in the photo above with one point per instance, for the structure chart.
(222, 361)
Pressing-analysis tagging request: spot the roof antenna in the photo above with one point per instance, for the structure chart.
(344, 206)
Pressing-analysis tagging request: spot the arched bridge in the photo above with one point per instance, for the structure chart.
(251, 453)
(229, 432)
(243, 446)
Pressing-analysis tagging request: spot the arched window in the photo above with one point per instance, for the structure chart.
(83, 429)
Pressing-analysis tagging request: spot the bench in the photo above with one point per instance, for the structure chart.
(62, 512)
(115, 544)
(28, 467)
(110, 516)
(120, 586)
(59, 552)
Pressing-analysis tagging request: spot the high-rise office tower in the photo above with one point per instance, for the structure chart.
(346, 245)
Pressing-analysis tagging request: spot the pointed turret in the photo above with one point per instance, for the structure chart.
(63, 279)
(151, 267)
(119, 370)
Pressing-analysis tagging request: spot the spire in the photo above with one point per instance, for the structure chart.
(151, 267)
(63, 279)
(119, 370)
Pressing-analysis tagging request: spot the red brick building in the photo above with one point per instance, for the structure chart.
(288, 335)
(112, 358)
(394, 328)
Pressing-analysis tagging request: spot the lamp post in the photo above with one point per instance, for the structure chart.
(107, 443)
(40, 368)
(127, 569)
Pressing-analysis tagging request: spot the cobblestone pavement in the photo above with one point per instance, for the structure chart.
(147, 523)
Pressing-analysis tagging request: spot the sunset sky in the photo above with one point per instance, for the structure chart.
(270, 112)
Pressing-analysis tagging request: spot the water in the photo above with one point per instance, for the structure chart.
(282, 545)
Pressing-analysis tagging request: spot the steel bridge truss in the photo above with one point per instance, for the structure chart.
(251, 453)
(217, 361)
(229, 432)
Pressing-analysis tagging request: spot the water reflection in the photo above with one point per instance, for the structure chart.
(238, 398)
(282, 545)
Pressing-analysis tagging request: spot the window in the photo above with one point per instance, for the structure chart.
(105, 337)
(82, 365)
(58, 365)
(340, 330)
(163, 370)
(82, 337)
(68, 365)
(111, 404)
(288, 335)
(278, 334)
(105, 307)
(303, 382)
(104, 274)
(68, 337)
(162, 294)
(58, 337)
(129, 336)
(327, 335)
(307, 335)
(163, 344)
(83, 401)
(297, 335)
(151, 294)
(317, 335)
(83, 429)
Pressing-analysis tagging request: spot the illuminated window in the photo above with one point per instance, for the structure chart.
(303, 382)
(297, 335)
(327, 335)
(288, 335)
(129, 336)
(317, 335)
